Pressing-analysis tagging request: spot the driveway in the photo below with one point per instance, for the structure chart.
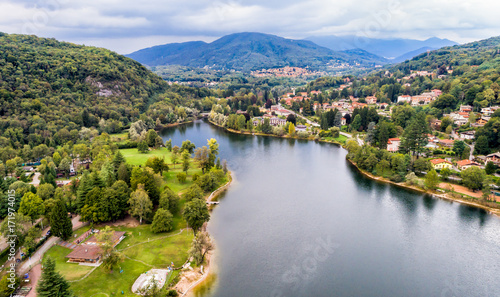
(36, 179)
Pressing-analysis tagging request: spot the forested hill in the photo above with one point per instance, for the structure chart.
(250, 51)
(476, 57)
(47, 85)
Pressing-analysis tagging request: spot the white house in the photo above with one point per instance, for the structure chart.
(393, 144)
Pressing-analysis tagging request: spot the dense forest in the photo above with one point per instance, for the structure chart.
(50, 90)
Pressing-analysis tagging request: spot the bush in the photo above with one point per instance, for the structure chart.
(396, 178)
(181, 177)
(162, 221)
(302, 134)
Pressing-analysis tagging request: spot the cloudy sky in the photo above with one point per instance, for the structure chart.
(128, 25)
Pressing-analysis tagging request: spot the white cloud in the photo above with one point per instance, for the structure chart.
(117, 24)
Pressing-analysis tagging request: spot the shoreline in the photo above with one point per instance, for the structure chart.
(207, 269)
(444, 196)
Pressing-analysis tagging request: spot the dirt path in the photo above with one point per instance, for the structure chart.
(35, 274)
(461, 190)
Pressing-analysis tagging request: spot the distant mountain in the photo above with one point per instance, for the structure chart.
(395, 48)
(249, 51)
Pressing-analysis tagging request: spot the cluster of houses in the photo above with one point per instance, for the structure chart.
(286, 72)
(422, 99)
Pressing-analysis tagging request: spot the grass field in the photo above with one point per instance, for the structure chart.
(70, 271)
(341, 139)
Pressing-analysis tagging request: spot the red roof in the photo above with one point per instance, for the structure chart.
(466, 162)
(393, 139)
(438, 161)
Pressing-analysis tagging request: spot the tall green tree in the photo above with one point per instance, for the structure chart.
(51, 283)
(415, 135)
(482, 146)
(32, 206)
(60, 223)
(431, 180)
(473, 178)
(140, 204)
(162, 221)
(196, 214)
(110, 256)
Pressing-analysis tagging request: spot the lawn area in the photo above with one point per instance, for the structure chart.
(341, 138)
(133, 156)
(70, 271)
(155, 254)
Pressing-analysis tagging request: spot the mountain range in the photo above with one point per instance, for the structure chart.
(394, 49)
(250, 51)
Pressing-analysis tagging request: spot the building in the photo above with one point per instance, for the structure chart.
(371, 100)
(393, 144)
(464, 164)
(468, 135)
(465, 108)
(404, 98)
(495, 158)
(441, 164)
(300, 128)
(90, 250)
(446, 142)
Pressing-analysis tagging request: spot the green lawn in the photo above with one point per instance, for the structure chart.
(341, 138)
(71, 271)
(133, 156)
(155, 254)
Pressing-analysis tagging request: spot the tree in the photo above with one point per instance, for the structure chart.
(157, 164)
(431, 180)
(60, 223)
(116, 198)
(415, 135)
(181, 177)
(140, 204)
(51, 283)
(168, 144)
(473, 178)
(118, 160)
(151, 137)
(56, 157)
(193, 192)
(32, 206)
(421, 165)
(162, 221)
(18, 233)
(142, 147)
(291, 129)
(482, 146)
(356, 123)
(149, 179)
(490, 168)
(266, 127)
(201, 245)
(174, 158)
(445, 173)
(196, 214)
(110, 256)
(201, 155)
(45, 191)
(292, 119)
(169, 200)
(459, 148)
(65, 166)
(187, 146)
(124, 173)
(7, 287)
(185, 161)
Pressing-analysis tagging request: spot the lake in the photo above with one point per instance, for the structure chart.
(299, 220)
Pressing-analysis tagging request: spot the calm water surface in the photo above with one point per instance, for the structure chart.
(300, 221)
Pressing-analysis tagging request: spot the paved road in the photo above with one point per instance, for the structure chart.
(36, 179)
(36, 257)
(35, 274)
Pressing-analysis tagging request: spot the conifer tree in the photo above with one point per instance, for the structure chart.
(60, 223)
(51, 283)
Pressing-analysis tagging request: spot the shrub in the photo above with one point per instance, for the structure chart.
(181, 177)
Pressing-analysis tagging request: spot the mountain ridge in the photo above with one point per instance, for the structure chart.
(249, 51)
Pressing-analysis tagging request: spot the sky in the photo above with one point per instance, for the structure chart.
(125, 25)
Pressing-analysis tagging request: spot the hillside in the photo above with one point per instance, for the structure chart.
(50, 88)
(247, 51)
(395, 49)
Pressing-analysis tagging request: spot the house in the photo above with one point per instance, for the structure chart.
(300, 128)
(371, 100)
(446, 142)
(467, 134)
(495, 158)
(441, 164)
(436, 124)
(464, 164)
(393, 144)
(487, 111)
(90, 251)
(465, 108)
(404, 98)
(85, 254)
(437, 92)
(343, 122)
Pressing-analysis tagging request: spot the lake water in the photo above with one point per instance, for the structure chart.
(300, 221)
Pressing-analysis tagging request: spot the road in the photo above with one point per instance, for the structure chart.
(37, 256)
(36, 179)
